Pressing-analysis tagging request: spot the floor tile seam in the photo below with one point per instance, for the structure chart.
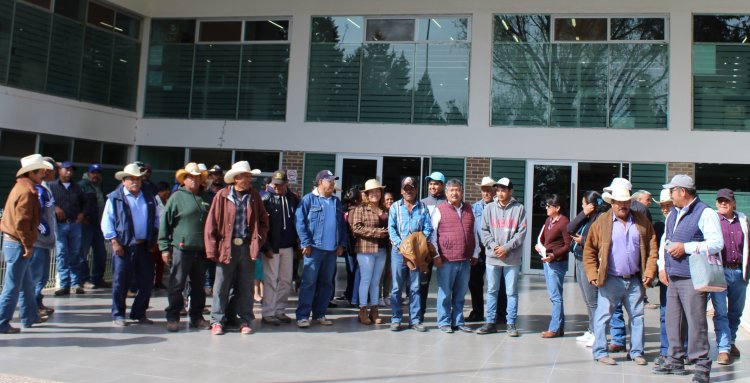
(489, 355)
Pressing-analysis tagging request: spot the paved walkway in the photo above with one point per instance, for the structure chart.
(79, 344)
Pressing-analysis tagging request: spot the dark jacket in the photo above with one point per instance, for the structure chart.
(282, 231)
(123, 222)
(581, 224)
(183, 221)
(71, 200)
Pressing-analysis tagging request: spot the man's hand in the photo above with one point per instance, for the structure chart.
(663, 278)
(576, 238)
(60, 214)
(212, 258)
(28, 254)
(166, 256)
(117, 248)
(499, 252)
(268, 254)
(438, 262)
(593, 282)
(383, 233)
(306, 251)
(340, 251)
(647, 282)
(548, 258)
(677, 250)
(474, 261)
(80, 218)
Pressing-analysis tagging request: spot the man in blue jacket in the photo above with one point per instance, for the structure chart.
(322, 234)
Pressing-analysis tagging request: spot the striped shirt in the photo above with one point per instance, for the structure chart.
(240, 215)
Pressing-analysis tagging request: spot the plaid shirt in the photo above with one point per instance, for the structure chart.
(366, 225)
(240, 215)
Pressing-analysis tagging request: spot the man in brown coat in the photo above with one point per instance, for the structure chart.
(236, 228)
(620, 259)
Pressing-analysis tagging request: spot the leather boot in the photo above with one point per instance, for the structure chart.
(363, 315)
(374, 315)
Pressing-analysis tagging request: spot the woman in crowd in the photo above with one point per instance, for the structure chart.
(351, 200)
(385, 280)
(553, 246)
(369, 224)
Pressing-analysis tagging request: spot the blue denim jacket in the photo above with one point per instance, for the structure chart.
(417, 220)
(310, 218)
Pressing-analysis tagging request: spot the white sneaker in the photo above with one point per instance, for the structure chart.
(303, 323)
(590, 342)
(585, 337)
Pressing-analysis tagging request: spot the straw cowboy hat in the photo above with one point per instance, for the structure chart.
(486, 181)
(33, 162)
(618, 193)
(664, 197)
(192, 169)
(130, 170)
(372, 184)
(237, 169)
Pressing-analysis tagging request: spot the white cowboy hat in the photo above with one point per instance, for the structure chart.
(239, 168)
(618, 182)
(664, 197)
(372, 184)
(619, 193)
(486, 181)
(192, 169)
(33, 162)
(130, 170)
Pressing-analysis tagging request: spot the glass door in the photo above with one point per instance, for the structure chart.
(545, 178)
(356, 170)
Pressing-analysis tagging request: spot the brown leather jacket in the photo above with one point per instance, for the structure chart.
(22, 213)
(220, 224)
(417, 251)
(599, 241)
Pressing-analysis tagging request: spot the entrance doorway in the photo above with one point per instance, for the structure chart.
(355, 170)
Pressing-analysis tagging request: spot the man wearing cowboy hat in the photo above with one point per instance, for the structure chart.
(182, 247)
(323, 237)
(236, 228)
(130, 222)
(620, 260)
(20, 227)
(503, 229)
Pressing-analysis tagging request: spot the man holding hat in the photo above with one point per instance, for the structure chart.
(130, 222)
(436, 190)
(620, 260)
(323, 237)
(92, 237)
(182, 247)
(236, 228)
(281, 205)
(503, 229)
(20, 227)
(691, 228)
(70, 207)
(734, 258)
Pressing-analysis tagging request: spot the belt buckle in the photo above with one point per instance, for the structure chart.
(238, 241)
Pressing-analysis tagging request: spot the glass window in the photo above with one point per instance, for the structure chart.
(127, 25)
(124, 79)
(334, 82)
(637, 29)
(441, 95)
(721, 28)
(721, 94)
(639, 85)
(267, 30)
(212, 157)
(390, 29)
(578, 29)
(522, 28)
(265, 161)
(170, 72)
(87, 152)
(174, 31)
(97, 66)
(263, 82)
(387, 83)
(718, 176)
(73, 9)
(56, 147)
(17, 144)
(28, 60)
(219, 31)
(443, 29)
(215, 81)
(114, 154)
(344, 29)
(579, 78)
(6, 19)
(41, 3)
(101, 16)
(66, 50)
(160, 157)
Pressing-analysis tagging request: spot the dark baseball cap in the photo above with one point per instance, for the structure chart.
(67, 164)
(216, 169)
(725, 193)
(408, 181)
(94, 168)
(325, 175)
(279, 177)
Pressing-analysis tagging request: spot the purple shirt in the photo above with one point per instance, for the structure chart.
(731, 253)
(625, 250)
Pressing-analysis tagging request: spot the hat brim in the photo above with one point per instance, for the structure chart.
(182, 173)
(499, 185)
(229, 175)
(381, 187)
(660, 202)
(608, 198)
(35, 166)
(122, 174)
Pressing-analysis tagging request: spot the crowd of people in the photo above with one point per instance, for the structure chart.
(218, 235)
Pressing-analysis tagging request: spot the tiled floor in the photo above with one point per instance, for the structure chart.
(80, 345)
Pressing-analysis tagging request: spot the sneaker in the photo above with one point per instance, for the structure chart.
(660, 360)
(669, 369)
(590, 342)
(90, 285)
(245, 329)
(78, 289)
(419, 327)
(446, 329)
(463, 328)
(585, 337)
(487, 328)
(200, 324)
(303, 323)
(395, 326)
(700, 377)
(144, 320)
(119, 322)
(173, 326)
(283, 318)
(217, 329)
(47, 310)
(62, 291)
(271, 321)
(512, 331)
(12, 330)
(323, 321)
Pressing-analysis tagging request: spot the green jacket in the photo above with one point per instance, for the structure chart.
(182, 222)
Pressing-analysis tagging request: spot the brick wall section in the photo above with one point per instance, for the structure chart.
(293, 161)
(476, 168)
(674, 168)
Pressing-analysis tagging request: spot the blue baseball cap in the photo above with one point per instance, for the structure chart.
(436, 176)
(67, 164)
(94, 168)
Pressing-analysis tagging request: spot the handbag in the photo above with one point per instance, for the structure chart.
(707, 272)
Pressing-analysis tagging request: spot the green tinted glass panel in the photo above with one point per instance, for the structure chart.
(172, 31)
(521, 28)
(579, 85)
(333, 87)
(114, 154)
(215, 81)
(515, 171)
(649, 177)
(639, 85)
(170, 72)
(442, 92)
(263, 82)
(343, 29)
(162, 158)
(8, 169)
(721, 87)
(442, 29)
(28, 61)
(17, 144)
(125, 65)
(315, 162)
(450, 167)
(520, 84)
(97, 66)
(387, 83)
(65, 57)
(6, 19)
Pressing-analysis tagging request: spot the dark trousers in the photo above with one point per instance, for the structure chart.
(684, 301)
(186, 263)
(243, 268)
(476, 288)
(424, 290)
(210, 273)
(136, 267)
(351, 270)
(92, 237)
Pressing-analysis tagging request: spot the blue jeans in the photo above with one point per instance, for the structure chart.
(727, 314)
(554, 275)
(370, 270)
(511, 291)
(69, 254)
(399, 273)
(17, 284)
(39, 268)
(317, 284)
(134, 266)
(92, 237)
(627, 293)
(453, 281)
